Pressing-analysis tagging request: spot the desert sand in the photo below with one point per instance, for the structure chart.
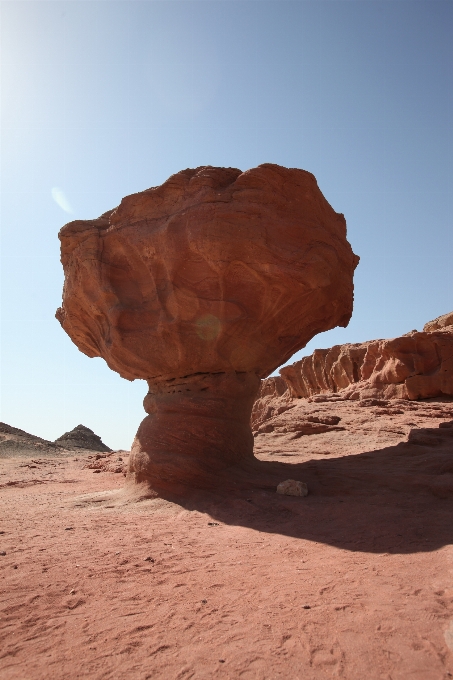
(194, 566)
(353, 581)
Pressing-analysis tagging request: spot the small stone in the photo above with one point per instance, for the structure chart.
(249, 500)
(96, 471)
(204, 602)
(2, 532)
(148, 559)
(306, 606)
(2, 552)
(213, 524)
(221, 660)
(69, 528)
(15, 566)
(72, 592)
(291, 487)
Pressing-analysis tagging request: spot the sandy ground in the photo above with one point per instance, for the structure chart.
(354, 581)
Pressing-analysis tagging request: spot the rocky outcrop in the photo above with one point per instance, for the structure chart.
(437, 324)
(326, 370)
(202, 286)
(82, 437)
(417, 365)
(18, 443)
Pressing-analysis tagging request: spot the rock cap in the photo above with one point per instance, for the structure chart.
(216, 270)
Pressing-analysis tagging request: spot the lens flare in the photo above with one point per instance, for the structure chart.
(208, 327)
(61, 200)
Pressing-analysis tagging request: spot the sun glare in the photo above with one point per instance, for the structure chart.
(61, 200)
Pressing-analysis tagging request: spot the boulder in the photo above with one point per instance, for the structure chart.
(291, 487)
(202, 286)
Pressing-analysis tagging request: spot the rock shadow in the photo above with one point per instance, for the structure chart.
(398, 499)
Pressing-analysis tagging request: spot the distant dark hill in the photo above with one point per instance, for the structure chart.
(15, 442)
(82, 437)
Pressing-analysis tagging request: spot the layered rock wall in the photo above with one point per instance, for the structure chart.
(417, 365)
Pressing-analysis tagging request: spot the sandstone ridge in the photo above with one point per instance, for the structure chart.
(418, 365)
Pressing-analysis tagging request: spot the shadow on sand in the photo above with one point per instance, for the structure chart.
(398, 499)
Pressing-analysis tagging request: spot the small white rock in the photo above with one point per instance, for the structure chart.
(292, 488)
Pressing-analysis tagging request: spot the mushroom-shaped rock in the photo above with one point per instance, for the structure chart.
(202, 286)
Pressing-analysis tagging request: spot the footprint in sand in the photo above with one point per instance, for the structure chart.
(448, 635)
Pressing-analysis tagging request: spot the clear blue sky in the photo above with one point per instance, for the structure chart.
(103, 99)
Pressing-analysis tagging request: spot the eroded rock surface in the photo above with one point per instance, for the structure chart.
(418, 365)
(202, 286)
(441, 322)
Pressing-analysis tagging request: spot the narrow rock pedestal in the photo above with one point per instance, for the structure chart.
(198, 426)
(202, 286)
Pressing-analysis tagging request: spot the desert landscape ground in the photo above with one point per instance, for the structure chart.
(182, 558)
(354, 581)
(226, 229)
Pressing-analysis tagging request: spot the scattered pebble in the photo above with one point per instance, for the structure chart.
(221, 660)
(148, 559)
(204, 602)
(213, 524)
(15, 566)
(68, 528)
(291, 487)
(2, 552)
(96, 471)
(249, 500)
(306, 606)
(72, 592)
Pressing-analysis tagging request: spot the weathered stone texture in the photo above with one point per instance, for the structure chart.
(208, 282)
(418, 365)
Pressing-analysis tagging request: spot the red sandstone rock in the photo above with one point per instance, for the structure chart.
(291, 487)
(202, 286)
(414, 366)
(441, 322)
